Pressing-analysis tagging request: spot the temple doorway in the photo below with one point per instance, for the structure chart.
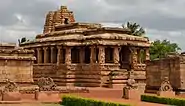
(124, 55)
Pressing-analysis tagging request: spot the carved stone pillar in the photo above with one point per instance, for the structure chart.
(101, 56)
(147, 57)
(45, 54)
(116, 55)
(68, 56)
(82, 55)
(59, 55)
(39, 55)
(134, 58)
(138, 55)
(92, 57)
(62, 56)
(52, 54)
(134, 55)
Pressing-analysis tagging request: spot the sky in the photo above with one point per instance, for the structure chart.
(162, 19)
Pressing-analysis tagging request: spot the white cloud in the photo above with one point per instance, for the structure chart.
(17, 31)
(163, 19)
(112, 25)
(174, 36)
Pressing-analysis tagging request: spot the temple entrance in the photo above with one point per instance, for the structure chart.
(124, 55)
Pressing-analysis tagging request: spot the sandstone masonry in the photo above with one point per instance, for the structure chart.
(16, 64)
(87, 54)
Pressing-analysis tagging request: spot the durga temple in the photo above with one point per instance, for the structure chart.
(77, 54)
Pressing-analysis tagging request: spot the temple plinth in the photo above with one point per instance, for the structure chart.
(84, 54)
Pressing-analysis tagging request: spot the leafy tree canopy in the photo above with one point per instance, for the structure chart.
(23, 40)
(135, 29)
(160, 49)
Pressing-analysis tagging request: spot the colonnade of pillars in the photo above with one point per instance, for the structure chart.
(63, 55)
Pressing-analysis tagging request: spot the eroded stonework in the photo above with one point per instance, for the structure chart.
(84, 54)
(61, 16)
(165, 85)
(46, 84)
(10, 86)
(171, 68)
(16, 64)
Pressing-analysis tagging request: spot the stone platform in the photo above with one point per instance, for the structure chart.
(166, 93)
(133, 94)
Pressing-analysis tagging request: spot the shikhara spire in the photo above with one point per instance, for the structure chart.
(61, 16)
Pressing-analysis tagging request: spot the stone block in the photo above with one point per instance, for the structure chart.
(166, 93)
(11, 96)
(117, 86)
(133, 94)
(47, 96)
(1, 97)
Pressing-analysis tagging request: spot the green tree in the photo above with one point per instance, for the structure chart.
(135, 29)
(23, 40)
(160, 49)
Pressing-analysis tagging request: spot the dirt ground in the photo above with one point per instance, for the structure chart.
(30, 104)
(112, 95)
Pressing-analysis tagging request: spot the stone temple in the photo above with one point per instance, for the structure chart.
(87, 54)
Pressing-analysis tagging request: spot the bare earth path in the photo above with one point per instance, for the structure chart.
(30, 104)
(112, 95)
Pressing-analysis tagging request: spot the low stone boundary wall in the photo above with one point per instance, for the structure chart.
(30, 94)
(45, 89)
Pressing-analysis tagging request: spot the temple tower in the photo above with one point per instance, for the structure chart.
(61, 16)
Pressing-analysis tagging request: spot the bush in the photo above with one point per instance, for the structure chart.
(69, 100)
(163, 100)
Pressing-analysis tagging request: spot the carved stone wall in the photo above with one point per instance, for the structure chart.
(16, 65)
(18, 71)
(82, 74)
(138, 66)
(7, 45)
(170, 67)
(182, 71)
(74, 74)
(118, 78)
